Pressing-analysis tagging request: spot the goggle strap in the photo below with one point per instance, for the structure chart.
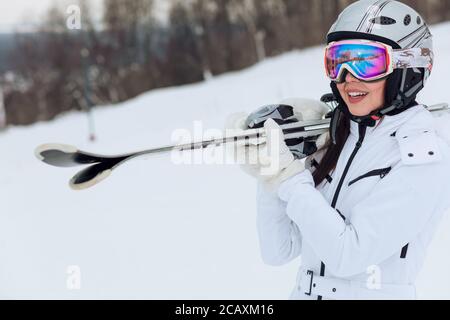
(413, 58)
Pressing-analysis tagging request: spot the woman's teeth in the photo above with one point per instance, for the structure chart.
(357, 94)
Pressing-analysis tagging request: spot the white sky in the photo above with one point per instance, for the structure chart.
(22, 14)
(11, 12)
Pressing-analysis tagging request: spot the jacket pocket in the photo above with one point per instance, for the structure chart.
(378, 172)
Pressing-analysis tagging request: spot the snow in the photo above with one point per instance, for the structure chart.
(156, 230)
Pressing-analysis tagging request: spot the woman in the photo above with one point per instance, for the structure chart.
(364, 213)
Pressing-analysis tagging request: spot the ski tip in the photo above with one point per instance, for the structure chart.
(40, 150)
(78, 186)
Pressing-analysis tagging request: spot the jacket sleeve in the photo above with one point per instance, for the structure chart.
(279, 237)
(392, 215)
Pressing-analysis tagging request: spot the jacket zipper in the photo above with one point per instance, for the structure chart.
(379, 172)
(362, 134)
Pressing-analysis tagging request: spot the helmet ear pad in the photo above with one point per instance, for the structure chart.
(393, 83)
(394, 90)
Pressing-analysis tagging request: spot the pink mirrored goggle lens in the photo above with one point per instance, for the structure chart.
(365, 61)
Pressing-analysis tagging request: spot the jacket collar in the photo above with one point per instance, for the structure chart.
(416, 117)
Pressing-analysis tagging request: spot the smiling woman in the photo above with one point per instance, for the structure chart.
(363, 209)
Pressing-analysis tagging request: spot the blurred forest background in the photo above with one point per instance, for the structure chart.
(55, 69)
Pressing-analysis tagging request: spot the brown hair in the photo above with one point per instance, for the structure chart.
(330, 159)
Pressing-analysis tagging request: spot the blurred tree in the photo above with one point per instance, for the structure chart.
(202, 13)
(244, 42)
(126, 46)
(220, 38)
(47, 64)
(130, 52)
(184, 62)
(272, 19)
(295, 15)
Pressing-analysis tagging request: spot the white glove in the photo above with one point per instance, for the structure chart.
(278, 162)
(272, 162)
(307, 109)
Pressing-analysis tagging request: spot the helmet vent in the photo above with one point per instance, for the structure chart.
(419, 21)
(383, 20)
(407, 20)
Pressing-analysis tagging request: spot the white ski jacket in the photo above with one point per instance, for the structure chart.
(362, 234)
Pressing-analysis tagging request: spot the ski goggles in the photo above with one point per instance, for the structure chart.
(371, 60)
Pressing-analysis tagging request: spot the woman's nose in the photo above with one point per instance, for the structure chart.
(349, 77)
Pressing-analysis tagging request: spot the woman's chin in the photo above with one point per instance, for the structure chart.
(357, 110)
(359, 114)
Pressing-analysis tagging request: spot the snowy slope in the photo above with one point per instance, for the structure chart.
(156, 230)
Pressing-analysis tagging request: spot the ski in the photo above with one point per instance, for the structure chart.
(99, 167)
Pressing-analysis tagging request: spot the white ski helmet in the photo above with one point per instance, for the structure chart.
(393, 23)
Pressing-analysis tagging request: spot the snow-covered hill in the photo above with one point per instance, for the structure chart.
(154, 229)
